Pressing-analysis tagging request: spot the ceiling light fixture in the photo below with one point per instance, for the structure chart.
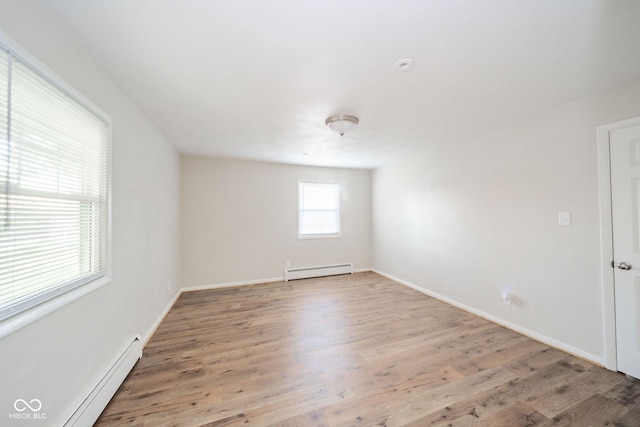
(341, 123)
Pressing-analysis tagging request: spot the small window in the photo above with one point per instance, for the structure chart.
(53, 189)
(318, 209)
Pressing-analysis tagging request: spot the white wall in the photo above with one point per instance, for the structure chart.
(60, 357)
(467, 220)
(240, 220)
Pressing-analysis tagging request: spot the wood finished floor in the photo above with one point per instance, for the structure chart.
(356, 350)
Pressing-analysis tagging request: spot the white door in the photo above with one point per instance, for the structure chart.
(625, 195)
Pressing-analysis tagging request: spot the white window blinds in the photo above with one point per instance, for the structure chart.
(53, 189)
(318, 209)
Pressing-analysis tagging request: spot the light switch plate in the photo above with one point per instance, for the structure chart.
(564, 218)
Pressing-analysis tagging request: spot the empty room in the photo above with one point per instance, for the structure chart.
(319, 213)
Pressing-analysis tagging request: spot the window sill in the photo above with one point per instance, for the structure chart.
(318, 236)
(22, 319)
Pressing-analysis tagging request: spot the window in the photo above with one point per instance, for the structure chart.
(318, 209)
(53, 188)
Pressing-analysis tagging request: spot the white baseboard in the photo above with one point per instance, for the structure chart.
(231, 284)
(249, 282)
(516, 328)
(152, 330)
(98, 397)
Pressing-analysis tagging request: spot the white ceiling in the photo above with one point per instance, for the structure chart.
(255, 79)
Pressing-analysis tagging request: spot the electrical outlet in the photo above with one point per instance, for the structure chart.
(506, 297)
(169, 285)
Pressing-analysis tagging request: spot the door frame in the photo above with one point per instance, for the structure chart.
(606, 240)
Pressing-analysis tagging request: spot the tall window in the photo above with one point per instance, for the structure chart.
(318, 209)
(53, 189)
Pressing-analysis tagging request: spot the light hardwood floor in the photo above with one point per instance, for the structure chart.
(356, 350)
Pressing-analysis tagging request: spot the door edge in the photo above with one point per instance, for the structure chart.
(606, 240)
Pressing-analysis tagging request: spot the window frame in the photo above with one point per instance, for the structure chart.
(52, 300)
(299, 210)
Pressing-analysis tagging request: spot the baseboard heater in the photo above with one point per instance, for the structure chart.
(95, 402)
(324, 270)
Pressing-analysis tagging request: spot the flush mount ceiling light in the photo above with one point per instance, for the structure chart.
(341, 123)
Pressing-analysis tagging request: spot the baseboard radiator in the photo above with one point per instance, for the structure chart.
(93, 405)
(324, 270)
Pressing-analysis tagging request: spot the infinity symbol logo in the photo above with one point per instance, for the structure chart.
(21, 405)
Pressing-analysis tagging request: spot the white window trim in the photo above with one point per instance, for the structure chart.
(23, 318)
(318, 236)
